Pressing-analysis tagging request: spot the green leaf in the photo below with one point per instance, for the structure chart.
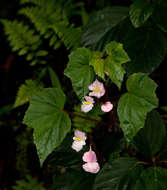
(140, 11)
(134, 105)
(121, 174)
(50, 123)
(160, 15)
(27, 90)
(54, 78)
(153, 178)
(79, 71)
(113, 63)
(80, 180)
(87, 126)
(141, 46)
(102, 22)
(150, 139)
(98, 64)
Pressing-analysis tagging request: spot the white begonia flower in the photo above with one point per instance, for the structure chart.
(79, 140)
(97, 89)
(87, 105)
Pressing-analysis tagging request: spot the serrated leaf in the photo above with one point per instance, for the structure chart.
(87, 126)
(113, 63)
(121, 174)
(140, 11)
(102, 22)
(141, 46)
(80, 180)
(134, 105)
(79, 71)
(54, 78)
(50, 123)
(27, 90)
(150, 139)
(153, 178)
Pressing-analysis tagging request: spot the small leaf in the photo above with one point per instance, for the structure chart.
(25, 92)
(121, 174)
(50, 123)
(54, 78)
(79, 71)
(113, 63)
(150, 139)
(134, 105)
(98, 64)
(153, 178)
(140, 11)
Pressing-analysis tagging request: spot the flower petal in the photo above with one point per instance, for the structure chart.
(92, 167)
(106, 107)
(77, 146)
(86, 107)
(89, 156)
(79, 134)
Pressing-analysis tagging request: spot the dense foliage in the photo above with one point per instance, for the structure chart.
(121, 47)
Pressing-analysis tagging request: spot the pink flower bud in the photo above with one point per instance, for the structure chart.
(106, 107)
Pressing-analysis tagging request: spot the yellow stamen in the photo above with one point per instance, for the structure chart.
(78, 139)
(96, 89)
(87, 103)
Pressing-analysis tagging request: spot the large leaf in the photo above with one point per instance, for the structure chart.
(50, 123)
(140, 11)
(134, 105)
(113, 63)
(150, 139)
(121, 174)
(160, 15)
(153, 178)
(102, 22)
(79, 71)
(141, 46)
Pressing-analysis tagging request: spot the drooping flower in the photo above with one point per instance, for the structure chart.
(106, 107)
(79, 140)
(87, 105)
(97, 89)
(92, 165)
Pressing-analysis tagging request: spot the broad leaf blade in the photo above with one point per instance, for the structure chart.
(134, 105)
(101, 22)
(153, 178)
(150, 139)
(79, 71)
(140, 11)
(121, 174)
(50, 123)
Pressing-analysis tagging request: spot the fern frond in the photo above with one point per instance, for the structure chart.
(69, 35)
(25, 92)
(28, 184)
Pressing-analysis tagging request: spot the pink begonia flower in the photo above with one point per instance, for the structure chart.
(106, 107)
(79, 140)
(92, 165)
(97, 89)
(87, 105)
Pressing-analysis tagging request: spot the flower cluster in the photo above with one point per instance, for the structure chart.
(91, 164)
(97, 90)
